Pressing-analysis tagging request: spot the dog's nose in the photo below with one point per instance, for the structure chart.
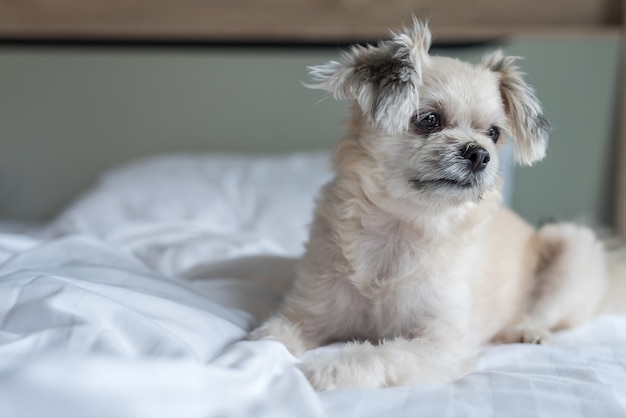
(477, 156)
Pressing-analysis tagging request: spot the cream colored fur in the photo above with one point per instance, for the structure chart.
(412, 259)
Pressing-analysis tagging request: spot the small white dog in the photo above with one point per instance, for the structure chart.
(412, 258)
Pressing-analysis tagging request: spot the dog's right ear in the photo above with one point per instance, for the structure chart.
(382, 79)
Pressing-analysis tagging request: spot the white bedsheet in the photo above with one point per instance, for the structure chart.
(89, 329)
(108, 323)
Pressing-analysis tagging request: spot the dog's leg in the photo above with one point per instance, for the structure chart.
(571, 280)
(391, 363)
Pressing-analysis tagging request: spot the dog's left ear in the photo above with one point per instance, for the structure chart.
(530, 129)
(381, 79)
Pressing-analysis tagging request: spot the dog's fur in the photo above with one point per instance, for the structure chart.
(412, 258)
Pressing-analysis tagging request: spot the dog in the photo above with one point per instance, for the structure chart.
(413, 262)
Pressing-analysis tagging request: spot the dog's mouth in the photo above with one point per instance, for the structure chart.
(443, 182)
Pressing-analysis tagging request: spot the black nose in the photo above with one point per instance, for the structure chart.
(477, 157)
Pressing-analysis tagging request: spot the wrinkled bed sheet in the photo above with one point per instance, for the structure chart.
(118, 310)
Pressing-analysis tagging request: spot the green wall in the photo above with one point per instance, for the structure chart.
(68, 114)
(579, 83)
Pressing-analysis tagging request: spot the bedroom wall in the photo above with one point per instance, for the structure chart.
(68, 114)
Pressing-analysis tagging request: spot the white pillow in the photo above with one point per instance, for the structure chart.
(269, 198)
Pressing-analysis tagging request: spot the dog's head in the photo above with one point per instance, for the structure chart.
(433, 127)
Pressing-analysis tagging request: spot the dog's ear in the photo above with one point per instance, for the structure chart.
(382, 79)
(530, 129)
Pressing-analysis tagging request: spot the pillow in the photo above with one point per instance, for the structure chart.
(265, 198)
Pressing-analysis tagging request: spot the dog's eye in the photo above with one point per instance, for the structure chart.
(494, 134)
(429, 123)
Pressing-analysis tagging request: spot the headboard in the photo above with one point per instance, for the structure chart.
(90, 84)
(287, 21)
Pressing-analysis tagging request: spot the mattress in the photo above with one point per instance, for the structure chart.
(136, 301)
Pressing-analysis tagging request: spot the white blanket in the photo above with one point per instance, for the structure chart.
(146, 316)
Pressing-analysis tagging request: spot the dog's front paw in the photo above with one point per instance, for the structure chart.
(321, 377)
(334, 371)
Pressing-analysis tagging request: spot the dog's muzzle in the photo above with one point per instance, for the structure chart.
(463, 169)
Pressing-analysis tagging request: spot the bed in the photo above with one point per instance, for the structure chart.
(135, 299)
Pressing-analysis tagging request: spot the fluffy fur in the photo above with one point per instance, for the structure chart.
(412, 259)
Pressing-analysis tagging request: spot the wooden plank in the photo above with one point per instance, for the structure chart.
(293, 20)
(620, 191)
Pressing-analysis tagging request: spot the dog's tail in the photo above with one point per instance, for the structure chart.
(615, 299)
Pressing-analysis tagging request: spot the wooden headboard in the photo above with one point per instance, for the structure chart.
(296, 20)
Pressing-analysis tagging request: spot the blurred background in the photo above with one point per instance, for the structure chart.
(87, 85)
